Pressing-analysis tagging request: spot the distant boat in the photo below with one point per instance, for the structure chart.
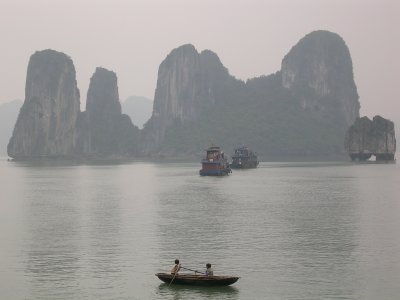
(215, 163)
(244, 158)
(202, 280)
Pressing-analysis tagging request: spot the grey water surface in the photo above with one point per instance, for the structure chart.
(289, 230)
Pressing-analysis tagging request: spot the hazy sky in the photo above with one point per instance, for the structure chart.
(251, 37)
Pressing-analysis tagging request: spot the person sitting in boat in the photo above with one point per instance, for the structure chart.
(209, 270)
(176, 267)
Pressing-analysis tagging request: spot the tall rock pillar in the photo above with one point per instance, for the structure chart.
(46, 125)
(103, 129)
(319, 72)
(185, 88)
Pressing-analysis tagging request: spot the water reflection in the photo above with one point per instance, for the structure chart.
(182, 292)
(291, 232)
(51, 241)
(319, 234)
(192, 222)
(74, 221)
(102, 242)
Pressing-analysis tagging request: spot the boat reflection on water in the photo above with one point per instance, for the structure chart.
(197, 292)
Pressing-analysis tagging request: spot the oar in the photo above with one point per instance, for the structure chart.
(176, 272)
(172, 279)
(195, 271)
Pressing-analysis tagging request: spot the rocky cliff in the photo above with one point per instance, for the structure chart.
(303, 109)
(8, 116)
(103, 129)
(366, 138)
(185, 88)
(46, 123)
(318, 71)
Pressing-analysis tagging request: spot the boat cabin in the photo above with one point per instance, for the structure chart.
(215, 163)
(214, 153)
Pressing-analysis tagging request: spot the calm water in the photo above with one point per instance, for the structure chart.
(289, 230)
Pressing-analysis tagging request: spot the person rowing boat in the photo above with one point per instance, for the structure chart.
(175, 269)
(206, 278)
(209, 270)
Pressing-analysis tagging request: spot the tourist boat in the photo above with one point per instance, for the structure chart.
(202, 280)
(215, 163)
(244, 158)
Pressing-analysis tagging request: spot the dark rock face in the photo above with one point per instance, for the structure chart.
(185, 88)
(8, 116)
(318, 70)
(303, 109)
(103, 130)
(366, 138)
(46, 123)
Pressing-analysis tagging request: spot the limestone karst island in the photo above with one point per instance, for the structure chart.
(310, 107)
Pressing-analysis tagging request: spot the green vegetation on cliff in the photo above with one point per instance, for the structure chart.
(260, 113)
(303, 109)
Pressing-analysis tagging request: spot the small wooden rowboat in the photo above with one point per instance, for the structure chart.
(203, 280)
